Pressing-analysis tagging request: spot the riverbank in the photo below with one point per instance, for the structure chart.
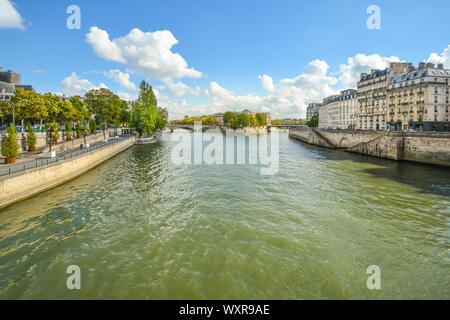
(27, 183)
(423, 147)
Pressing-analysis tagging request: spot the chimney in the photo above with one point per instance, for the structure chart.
(421, 65)
(440, 66)
(430, 65)
(373, 71)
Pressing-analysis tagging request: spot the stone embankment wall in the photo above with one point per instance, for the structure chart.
(424, 147)
(27, 183)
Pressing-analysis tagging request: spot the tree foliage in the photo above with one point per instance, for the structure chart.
(314, 122)
(145, 116)
(31, 137)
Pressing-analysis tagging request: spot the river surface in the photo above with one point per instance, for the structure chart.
(140, 227)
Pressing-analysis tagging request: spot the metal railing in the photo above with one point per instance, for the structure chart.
(64, 156)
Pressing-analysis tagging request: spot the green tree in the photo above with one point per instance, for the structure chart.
(10, 147)
(260, 119)
(124, 113)
(234, 124)
(69, 130)
(93, 126)
(228, 116)
(28, 105)
(105, 104)
(145, 117)
(252, 120)
(81, 112)
(78, 130)
(243, 120)
(31, 137)
(276, 122)
(208, 121)
(314, 122)
(104, 126)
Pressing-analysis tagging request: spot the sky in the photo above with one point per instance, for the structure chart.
(206, 56)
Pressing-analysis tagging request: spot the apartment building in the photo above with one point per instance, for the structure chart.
(7, 91)
(311, 110)
(329, 112)
(372, 96)
(347, 109)
(419, 99)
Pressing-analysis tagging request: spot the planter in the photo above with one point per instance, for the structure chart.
(10, 160)
(69, 139)
(49, 154)
(54, 143)
(31, 149)
(105, 140)
(93, 132)
(85, 145)
(78, 136)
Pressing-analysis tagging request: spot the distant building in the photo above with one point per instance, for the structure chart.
(329, 112)
(25, 87)
(419, 99)
(7, 91)
(348, 105)
(9, 77)
(218, 117)
(313, 109)
(268, 119)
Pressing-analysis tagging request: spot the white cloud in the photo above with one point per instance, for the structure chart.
(73, 85)
(121, 78)
(129, 96)
(179, 88)
(444, 58)
(149, 53)
(103, 47)
(361, 63)
(288, 98)
(9, 16)
(267, 82)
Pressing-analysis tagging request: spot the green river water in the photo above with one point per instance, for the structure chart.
(141, 227)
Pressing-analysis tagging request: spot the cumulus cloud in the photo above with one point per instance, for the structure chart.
(73, 85)
(361, 63)
(267, 83)
(129, 96)
(149, 53)
(179, 89)
(444, 58)
(288, 98)
(9, 16)
(121, 78)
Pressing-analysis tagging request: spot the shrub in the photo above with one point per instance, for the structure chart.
(10, 147)
(93, 126)
(68, 130)
(31, 137)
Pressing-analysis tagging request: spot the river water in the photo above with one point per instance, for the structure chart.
(141, 227)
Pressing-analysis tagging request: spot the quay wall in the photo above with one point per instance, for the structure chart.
(24, 184)
(424, 147)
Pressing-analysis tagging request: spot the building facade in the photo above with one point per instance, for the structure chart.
(7, 91)
(329, 112)
(347, 109)
(372, 96)
(419, 99)
(311, 110)
(9, 77)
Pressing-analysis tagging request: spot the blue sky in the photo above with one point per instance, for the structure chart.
(273, 56)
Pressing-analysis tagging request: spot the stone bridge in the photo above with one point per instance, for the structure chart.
(191, 127)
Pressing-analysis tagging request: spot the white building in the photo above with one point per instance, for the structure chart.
(347, 109)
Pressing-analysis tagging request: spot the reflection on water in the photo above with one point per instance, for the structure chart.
(140, 227)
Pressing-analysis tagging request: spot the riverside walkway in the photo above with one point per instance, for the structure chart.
(8, 169)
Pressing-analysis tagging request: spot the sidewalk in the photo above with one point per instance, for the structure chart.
(35, 159)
